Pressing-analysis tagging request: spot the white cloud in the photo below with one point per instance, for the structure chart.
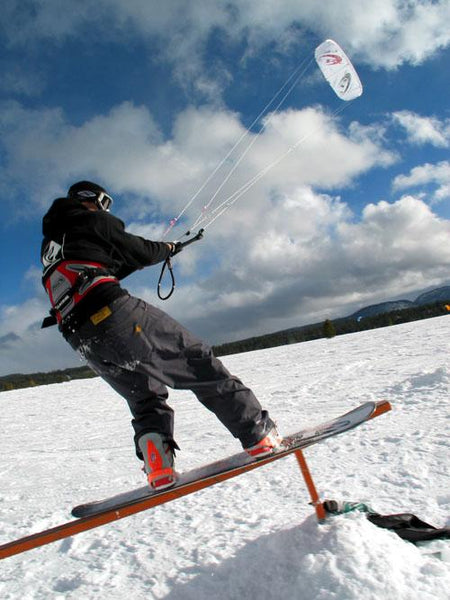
(18, 319)
(126, 152)
(422, 130)
(37, 351)
(40, 142)
(437, 175)
(24, 347)
(402, 237)
(382, 33)
(311, 259)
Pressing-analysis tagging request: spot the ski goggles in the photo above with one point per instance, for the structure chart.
(101, 199)
(104, 201)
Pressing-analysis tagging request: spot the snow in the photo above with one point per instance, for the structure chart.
(254, 536)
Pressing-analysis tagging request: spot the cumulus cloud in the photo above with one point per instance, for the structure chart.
(126, 151)
(395, 238)
(24, 347)
(40, 142)
(313, 260)
(435, 175)
(424, 130)
(382, 33)
(18, 319)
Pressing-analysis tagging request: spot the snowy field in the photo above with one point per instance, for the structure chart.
(255, 536)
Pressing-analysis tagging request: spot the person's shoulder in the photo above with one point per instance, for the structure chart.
(108, 220)
(60, 208)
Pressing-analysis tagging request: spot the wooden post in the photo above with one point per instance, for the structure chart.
(315, 500)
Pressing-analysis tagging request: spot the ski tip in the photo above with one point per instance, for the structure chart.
(381, 407)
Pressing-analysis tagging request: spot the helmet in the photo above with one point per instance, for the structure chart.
(86, 191)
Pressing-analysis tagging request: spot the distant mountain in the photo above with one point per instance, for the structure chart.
(441, 294)
(8, 339)
(383, 307)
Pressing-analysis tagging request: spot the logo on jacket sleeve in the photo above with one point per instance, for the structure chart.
(52, 254)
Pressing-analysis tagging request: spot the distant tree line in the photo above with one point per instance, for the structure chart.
(327, 329)
(330, 328)
(19, 380)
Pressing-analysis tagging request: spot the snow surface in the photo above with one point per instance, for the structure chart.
(254, 536)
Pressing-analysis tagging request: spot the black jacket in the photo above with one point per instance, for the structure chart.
(100, 237)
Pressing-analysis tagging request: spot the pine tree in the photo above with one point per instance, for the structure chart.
(328, 329)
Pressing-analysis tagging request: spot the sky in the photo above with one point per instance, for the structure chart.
(176, 106)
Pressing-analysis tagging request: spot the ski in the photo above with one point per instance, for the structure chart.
(94, 514)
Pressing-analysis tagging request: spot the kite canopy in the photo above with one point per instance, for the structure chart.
(338, 70)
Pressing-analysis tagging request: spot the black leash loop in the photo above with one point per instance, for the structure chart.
(168, 263)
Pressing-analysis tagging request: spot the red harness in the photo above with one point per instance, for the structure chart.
(70, 282)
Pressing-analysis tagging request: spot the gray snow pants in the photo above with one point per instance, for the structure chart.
(139, 350)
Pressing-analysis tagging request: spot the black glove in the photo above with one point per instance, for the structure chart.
(176, 248)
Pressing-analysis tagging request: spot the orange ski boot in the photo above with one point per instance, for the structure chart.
(158, 456)
(266, 446)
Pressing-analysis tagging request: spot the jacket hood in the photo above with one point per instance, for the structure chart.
(58, 217)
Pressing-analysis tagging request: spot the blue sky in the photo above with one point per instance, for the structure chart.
(147, 99)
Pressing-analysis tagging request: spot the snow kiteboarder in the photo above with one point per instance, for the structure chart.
(135, 347)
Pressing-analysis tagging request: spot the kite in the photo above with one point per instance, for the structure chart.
(338, 70)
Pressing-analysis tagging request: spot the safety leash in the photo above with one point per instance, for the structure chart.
(179, 246)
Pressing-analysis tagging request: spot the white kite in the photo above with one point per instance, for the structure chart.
(338, 70)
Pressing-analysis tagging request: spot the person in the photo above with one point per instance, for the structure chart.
(138, 349)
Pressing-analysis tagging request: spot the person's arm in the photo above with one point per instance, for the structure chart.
(133, 251)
